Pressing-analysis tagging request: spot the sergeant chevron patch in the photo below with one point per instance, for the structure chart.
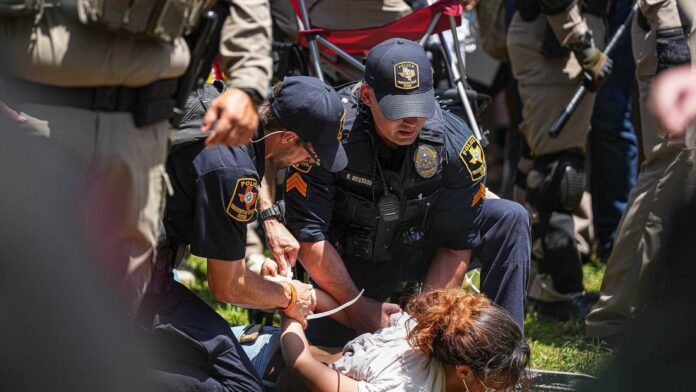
(297, 183)
(479, 195)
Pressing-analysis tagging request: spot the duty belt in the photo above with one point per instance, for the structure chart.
(148, 104)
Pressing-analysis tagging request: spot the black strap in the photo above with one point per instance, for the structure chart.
(148, 104)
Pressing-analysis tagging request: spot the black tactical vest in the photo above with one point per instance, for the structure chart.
(360, 229)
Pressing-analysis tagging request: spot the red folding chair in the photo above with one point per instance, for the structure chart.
(417, 26)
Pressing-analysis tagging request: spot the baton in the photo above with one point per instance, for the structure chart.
(563, 118)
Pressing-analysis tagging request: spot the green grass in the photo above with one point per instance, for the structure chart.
(561, 346)
(555, 345)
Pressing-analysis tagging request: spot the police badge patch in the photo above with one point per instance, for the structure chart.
(425, 160)
(472, 156)
(242, 205)
(406, 75)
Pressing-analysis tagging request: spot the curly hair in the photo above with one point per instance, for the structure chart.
(459, 328)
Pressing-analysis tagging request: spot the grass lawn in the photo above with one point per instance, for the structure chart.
(555, 345)
(561, 345)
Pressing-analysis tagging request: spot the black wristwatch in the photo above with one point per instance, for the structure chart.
(271, 212)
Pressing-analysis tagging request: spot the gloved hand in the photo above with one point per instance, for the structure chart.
(672, 48)
(596, 69)
(596, 65)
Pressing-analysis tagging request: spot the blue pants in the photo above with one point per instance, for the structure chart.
(196, 350)
(503, 255)
(613, 144)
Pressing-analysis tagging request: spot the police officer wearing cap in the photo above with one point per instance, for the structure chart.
(215, 197)
(409, 207)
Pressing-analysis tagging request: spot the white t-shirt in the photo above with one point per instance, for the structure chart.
(384, 361)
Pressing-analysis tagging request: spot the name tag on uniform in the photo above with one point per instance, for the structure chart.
(358, 179)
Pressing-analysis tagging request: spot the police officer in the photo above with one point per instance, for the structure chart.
(100, 84)
(551, 44)
(663, 37)
(215, 197)
(409, 207)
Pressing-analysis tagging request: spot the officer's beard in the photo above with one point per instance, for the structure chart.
(284, 157)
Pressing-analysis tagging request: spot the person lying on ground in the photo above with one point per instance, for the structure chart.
(447, 340)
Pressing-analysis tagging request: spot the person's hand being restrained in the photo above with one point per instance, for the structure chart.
(368, 315)
(302, 302)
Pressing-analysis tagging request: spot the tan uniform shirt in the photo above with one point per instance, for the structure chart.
(61, 51)
(245, 45)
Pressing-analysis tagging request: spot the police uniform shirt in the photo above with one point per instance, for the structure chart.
(445, 163)
(215, 194)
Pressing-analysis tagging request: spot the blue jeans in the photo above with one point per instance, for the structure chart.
(613, 143)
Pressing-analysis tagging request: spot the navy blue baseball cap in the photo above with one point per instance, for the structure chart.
(313, 110)
(399, 72)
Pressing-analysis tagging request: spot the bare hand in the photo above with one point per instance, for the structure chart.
(468, 4)
(673, 99)
(283, 245)
(235, 118)
(305, 303)
(269, 268)
(368, 315)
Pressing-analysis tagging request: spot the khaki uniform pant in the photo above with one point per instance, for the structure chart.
(123, 167)
(546, 85)
(632, 266)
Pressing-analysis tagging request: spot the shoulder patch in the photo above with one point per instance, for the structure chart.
(242, 205)
(297, 183)
(473, 158)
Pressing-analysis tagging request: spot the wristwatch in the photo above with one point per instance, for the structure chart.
(271, 212)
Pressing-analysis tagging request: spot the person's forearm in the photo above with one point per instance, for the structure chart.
(314, 374)
(326, 302)
(326, 268)
(661, 14)
(267, 190)
(245, 46)
(568, 24)
(232, 282)
(448, 268)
